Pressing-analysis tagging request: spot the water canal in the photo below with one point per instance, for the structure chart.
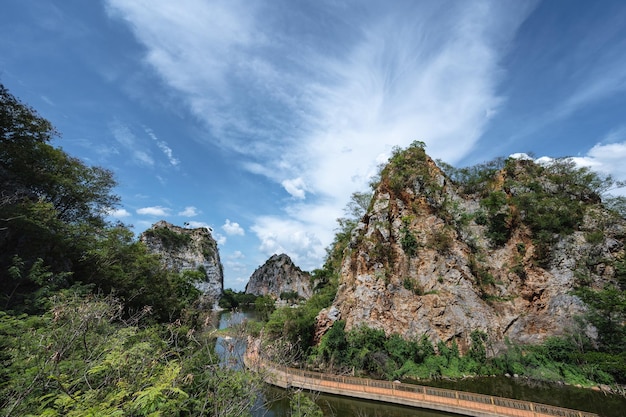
(276, 404)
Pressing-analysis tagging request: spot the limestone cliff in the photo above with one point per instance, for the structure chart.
(279, 275)
(183, 249)
(498, 250)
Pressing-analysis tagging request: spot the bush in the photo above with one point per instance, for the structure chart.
(81, 358)
(169, 238)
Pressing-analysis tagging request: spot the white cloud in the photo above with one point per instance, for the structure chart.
(294, 238)
(233, 228)
(220, 239)
(316, 119)
(189, 211)
(237, 255)
(236, 267)
(154, 211)
(607, 159)
(119, 213)
(196, 225)
(608, 156)
(522, 156)
(296, 187)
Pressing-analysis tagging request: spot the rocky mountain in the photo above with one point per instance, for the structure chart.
(189, 249)
(499, 248)
(279, 275)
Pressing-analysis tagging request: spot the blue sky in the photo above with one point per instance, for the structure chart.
(259, 119)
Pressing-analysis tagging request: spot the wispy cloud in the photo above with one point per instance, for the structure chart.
(189, 211)
(315, 111)
(128, 140)
(233, 228)
(167, 151)
(154, 211)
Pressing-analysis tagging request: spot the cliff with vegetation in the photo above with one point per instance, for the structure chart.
(280, 278)
(189, 251)
(511, 249)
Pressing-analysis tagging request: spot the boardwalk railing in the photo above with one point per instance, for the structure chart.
(460, 402)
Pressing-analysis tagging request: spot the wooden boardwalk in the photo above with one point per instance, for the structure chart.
(459, 402)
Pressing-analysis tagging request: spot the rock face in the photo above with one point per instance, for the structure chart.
(433, 258)
(279, 275)
(183, 249)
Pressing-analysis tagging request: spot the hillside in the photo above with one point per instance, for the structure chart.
(280, 276)
(191, 250)
(505, 248)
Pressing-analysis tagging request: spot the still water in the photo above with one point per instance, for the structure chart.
(541, 392)
(275, 403)
(331, 405)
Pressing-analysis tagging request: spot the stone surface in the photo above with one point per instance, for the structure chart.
(324, 321)
(183, 249)
(453, 281)
(279, 275)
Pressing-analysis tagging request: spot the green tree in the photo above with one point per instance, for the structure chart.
(301, 405)
(51, 203)
(264, 306)
(607, 312)
(84, 358)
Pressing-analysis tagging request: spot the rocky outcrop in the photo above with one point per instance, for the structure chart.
(279, 275)
(434, 258)
(183, 249)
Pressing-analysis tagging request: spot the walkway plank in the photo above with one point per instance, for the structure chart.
(439, 399)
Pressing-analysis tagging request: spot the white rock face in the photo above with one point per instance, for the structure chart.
(279, 275)
(414, 268)
(189, 249)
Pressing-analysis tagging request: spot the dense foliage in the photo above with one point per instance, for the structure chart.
(234, 299)
(54, 233)
(83, 358)
(86, 313)
(368, 351)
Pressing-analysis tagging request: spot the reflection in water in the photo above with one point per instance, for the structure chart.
(337, 406)
(541, 392)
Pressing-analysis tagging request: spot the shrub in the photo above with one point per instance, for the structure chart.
(169, 238)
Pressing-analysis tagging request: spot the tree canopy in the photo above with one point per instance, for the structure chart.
(54, 231)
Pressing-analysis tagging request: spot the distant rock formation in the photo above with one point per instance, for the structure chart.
(279, 275)
(433, 258)
(183, 249)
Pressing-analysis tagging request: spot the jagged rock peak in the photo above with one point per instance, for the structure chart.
(279, 275)
(183, 249)
(499, 251)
